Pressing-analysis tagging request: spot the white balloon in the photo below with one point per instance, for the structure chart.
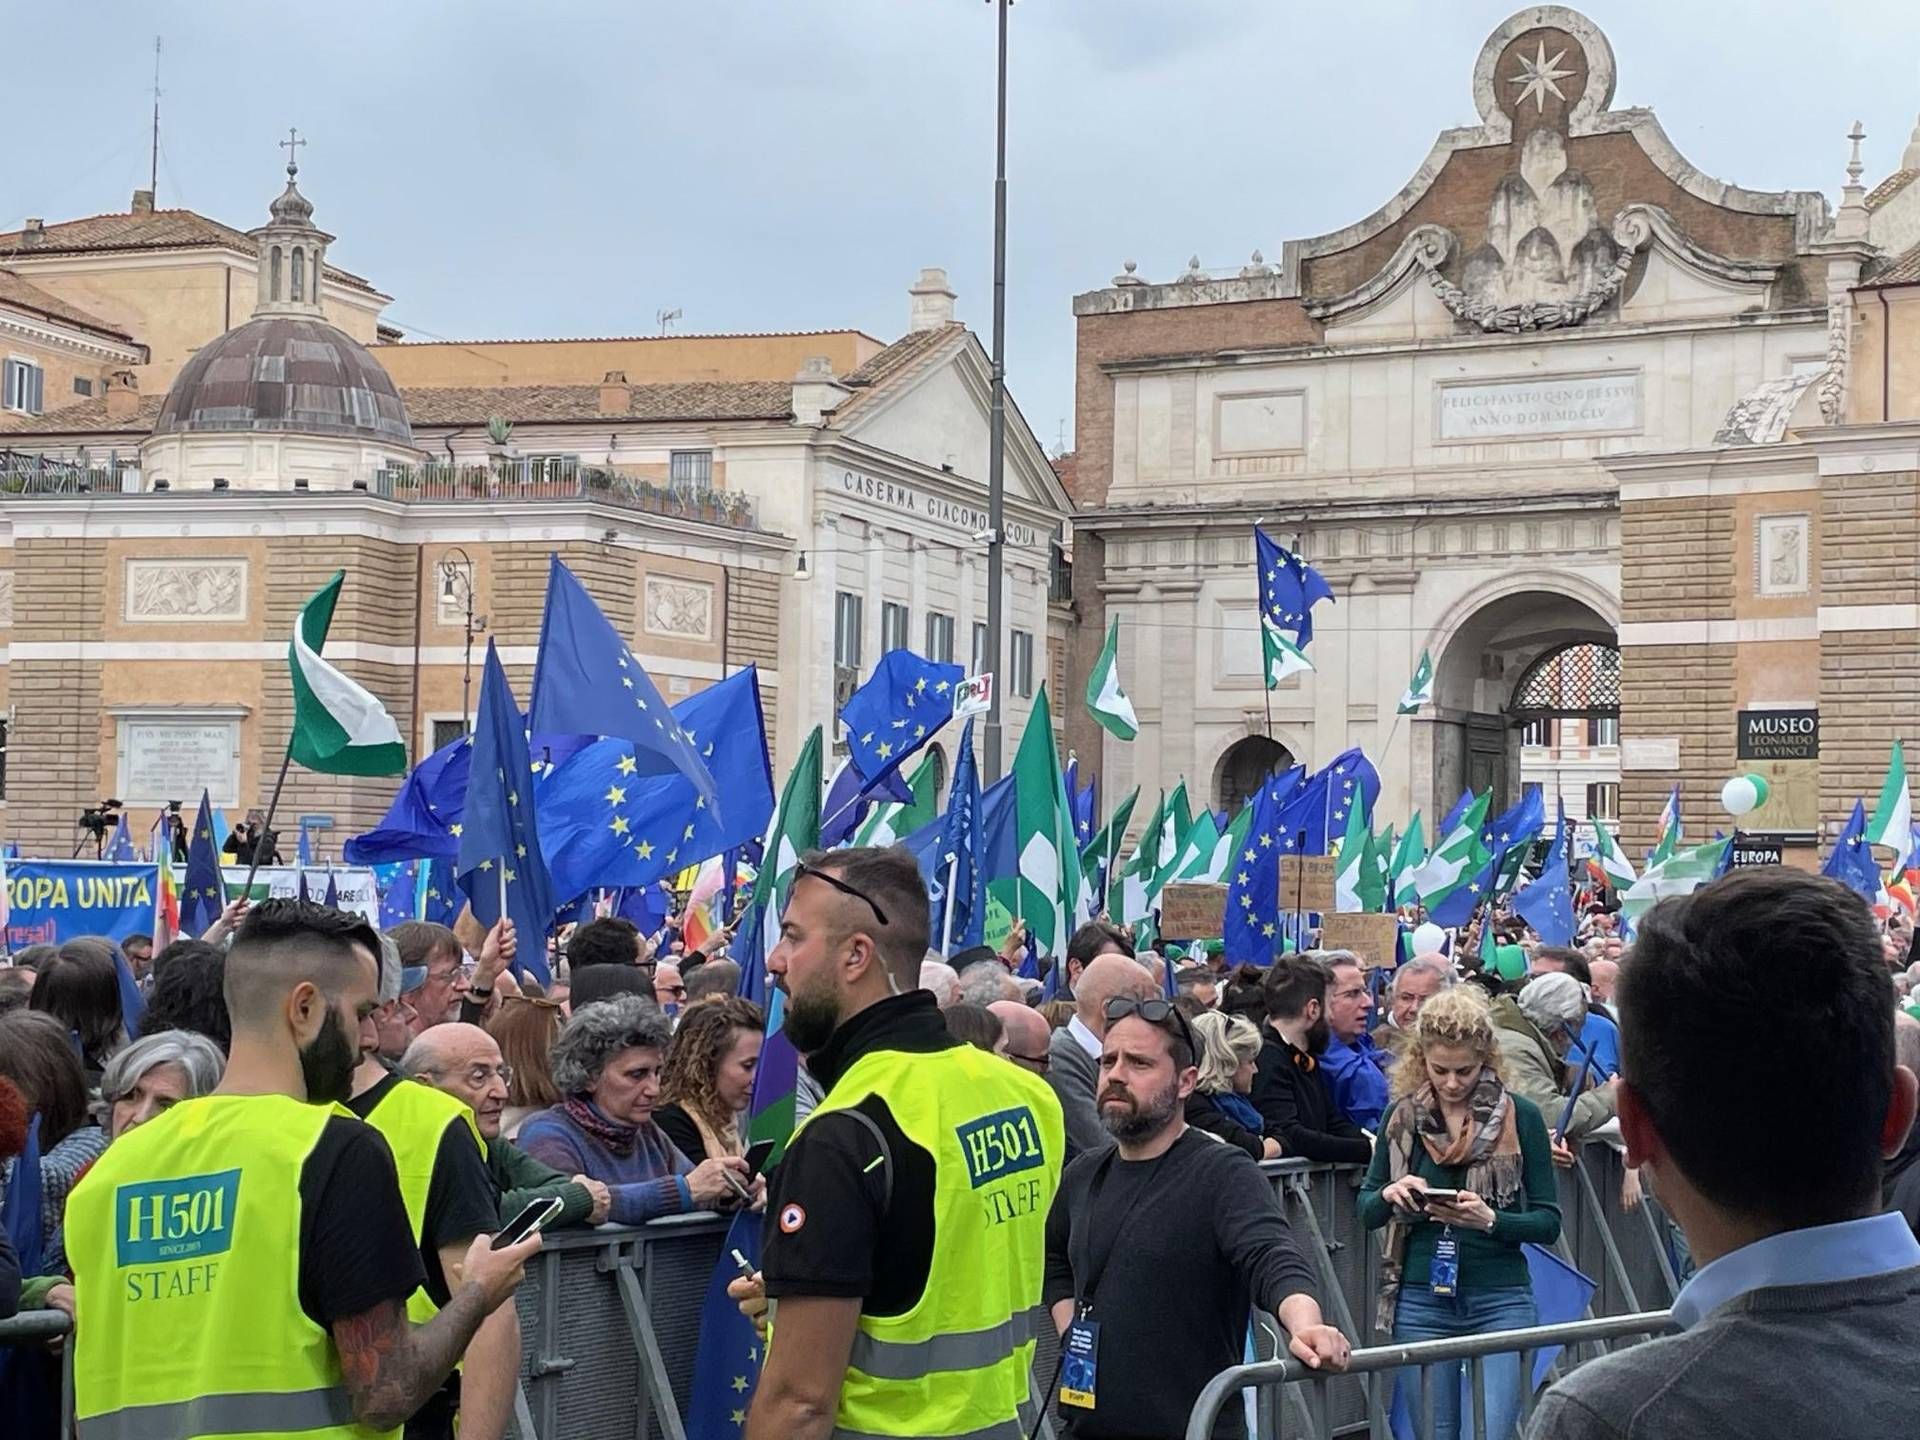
(1428, 938)
(1739, 796)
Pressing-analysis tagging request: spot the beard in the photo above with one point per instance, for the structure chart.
(1138, 1121)
(1318, 1034)
(327, 1065)
(812, 1017)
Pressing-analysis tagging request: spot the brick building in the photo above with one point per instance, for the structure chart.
(1450, 405)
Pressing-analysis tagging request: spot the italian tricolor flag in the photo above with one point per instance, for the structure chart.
(1608, 864)
(338, 727)
(1892, 822)
(1105, 698)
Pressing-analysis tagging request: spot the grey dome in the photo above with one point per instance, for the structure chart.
(287, 374)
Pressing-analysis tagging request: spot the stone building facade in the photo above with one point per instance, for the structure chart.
(1434, 405)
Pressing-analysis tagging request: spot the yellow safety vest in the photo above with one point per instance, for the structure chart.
(957, 1364)
(414, 1116)
(185, 1244)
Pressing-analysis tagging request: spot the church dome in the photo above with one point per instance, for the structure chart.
(285, 374)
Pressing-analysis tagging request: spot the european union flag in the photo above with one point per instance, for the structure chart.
(1315, 808)
(1252, 932)
(1547, 904)
(726, 1366)
(332, 898)
(849, 794)
(204, 894)
(1510, 836)
(499, 857)
(439, 895)
(303, 852)
(587, 682)
(603, 822)
(300, 887)
(398, 885)
(120, 847)
(1851, 860)
(999, 853)
(903, 702)
(421, 819)
(960, 909)
(1452, 819)
(1289, 587)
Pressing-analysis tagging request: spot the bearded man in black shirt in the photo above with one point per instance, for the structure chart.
(1168, 1201)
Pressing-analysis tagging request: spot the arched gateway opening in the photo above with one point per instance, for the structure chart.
(1528, 691)
(1243, 767)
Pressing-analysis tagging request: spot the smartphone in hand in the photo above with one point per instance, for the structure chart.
(534, 1217)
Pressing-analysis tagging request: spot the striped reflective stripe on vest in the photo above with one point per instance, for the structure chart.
(961, 1350)
(1003, 1430)
(258, 1413)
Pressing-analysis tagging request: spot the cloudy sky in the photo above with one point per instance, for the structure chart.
(573, 168)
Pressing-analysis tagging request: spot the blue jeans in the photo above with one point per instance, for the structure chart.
(1423, 1315)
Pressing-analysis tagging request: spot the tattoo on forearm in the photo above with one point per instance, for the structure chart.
(390, 1366)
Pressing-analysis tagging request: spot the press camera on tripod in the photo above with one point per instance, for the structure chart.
(97, 820)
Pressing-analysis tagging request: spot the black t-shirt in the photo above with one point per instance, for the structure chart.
(678, 1127)
(356, 1244)
(1202, 1211)
(462, 1202)
(831, 1228)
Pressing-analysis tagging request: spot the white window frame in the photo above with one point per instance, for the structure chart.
(1020, 663)
(940, 624)
(849, 617)
(979, 648)
(429, 721)
(23, 383)
(896, 626)
(690, 484)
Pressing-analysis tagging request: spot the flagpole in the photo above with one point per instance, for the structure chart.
(503, 887)
(266, 825)
(946, 920)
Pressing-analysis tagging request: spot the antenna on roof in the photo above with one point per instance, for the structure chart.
(153, 170)
(665, 318)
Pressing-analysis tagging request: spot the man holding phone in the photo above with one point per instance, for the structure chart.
(266, 1168)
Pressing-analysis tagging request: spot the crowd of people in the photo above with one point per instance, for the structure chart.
(973, 1146)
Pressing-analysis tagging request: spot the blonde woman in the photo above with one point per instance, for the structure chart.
(1229, 1045)
(1454, 1268)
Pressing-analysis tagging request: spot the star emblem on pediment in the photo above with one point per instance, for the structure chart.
(1539, 77)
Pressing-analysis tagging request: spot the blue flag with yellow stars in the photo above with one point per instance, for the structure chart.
(203, 895)
(605, 824)
(1547, 904)
(499, 835)
(438, 897)
(587, 682)
(1289, 587)
(903, 702)
(726, 1366)
(1851, 861)
(1253, 933)
(398, 886)
(1316, 808)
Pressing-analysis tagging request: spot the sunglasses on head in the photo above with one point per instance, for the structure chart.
(803, 869)
(1162, 1014)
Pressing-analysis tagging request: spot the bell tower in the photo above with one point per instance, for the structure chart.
(292, 249)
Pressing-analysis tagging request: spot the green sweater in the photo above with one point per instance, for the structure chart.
(522, 1179)
(1488, 1260)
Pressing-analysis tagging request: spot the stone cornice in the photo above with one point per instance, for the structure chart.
(53, 334)
(1277, 519)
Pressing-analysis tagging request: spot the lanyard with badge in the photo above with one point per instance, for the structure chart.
(1080, 1345)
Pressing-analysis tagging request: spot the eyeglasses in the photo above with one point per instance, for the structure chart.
(678, 992)
(1042, 1060)
(803, 869)
(478, 1075)
(1162, 1014)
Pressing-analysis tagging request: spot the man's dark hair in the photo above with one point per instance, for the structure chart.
(146, 940)
(1245, 994)
(891, 877)
(610, 940)
(975, 1024)
(1095, 938)
(716, 977)
(34, 956)
(1759, 1007)
(189, 979)
(604, 981)
(1291, 982)
(1571, 961)
(282, 942)
(419, 941)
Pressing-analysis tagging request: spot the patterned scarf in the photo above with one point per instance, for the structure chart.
(1489, 1147)
(617, 1138)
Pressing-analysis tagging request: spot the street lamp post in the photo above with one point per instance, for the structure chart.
(456, 582)
(997, 423)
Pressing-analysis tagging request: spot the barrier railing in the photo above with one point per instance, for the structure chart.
(37, 1327)
(1376, 1366)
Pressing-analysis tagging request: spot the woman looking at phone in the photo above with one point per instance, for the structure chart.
(1451, 1262)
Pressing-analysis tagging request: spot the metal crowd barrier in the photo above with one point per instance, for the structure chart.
(1374, 1367)
(37, 1327)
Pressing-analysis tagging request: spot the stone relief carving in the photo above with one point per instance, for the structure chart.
(1833, 380)
(186, 590)
(6, 597)
(1780, 555)
(1760, 417)
(677, 607)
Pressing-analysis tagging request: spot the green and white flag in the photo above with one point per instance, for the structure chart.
(1420, 687)
(1050, 887)
(1681, 873)
(1196, 851)
(1105, 699)
(1283, 657)
(1458, 858)
(1175, 821)
(338, 727)
(1892, 822)
(1102, 853)
(895, 818)
(1610, 861)
(1409, 855)
(1127, 889)
(1356, 884)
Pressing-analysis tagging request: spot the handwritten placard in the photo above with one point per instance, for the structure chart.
(1374, 938)
(1193, 911)
(1306, 882)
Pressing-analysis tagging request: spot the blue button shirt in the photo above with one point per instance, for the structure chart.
(1604, 1037)
(1818, 1255)
(1356, 1075)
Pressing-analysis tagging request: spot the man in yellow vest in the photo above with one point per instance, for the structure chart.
(450, 1198)
(242, 1263)
(906, 1230)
